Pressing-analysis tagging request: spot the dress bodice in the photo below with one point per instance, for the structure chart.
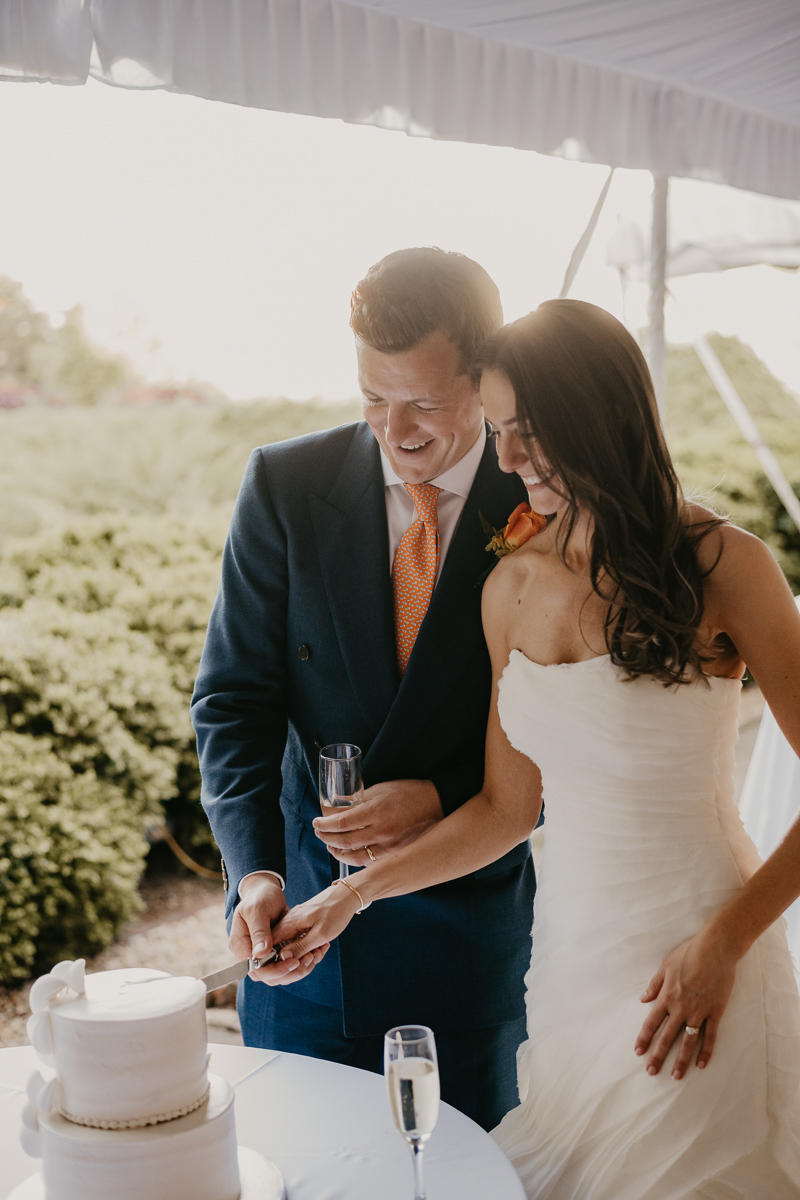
(585, 723)
(644, 769)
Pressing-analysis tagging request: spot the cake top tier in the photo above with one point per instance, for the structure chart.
(128, 1046)
(133, 994)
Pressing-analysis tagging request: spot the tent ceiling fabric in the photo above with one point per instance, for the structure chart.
(702, 88)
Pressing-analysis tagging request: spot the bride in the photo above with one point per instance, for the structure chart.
(663, 1052)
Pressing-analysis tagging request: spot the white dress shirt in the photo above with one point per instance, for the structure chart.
(456, 484)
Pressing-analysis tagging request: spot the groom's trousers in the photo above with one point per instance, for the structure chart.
(477, 1067)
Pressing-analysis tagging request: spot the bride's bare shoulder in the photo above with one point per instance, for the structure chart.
(721, 546)
(508, 578)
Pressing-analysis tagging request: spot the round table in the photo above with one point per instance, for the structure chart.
(327, 1127)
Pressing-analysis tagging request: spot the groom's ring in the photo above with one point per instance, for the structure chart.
(369, 852)
(692, 1030)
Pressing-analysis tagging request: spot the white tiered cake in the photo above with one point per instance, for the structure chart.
(131, 1111)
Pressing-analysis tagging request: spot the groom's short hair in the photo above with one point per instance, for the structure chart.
(412, 293)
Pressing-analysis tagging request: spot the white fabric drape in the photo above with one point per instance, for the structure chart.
(47, 40)
(770, 800)
(708, 90)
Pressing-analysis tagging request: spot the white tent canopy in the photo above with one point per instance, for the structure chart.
(698, 88)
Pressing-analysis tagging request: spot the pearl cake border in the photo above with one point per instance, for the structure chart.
(138, 1122)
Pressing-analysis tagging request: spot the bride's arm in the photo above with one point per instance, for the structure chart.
(483, 829)
(748, 599)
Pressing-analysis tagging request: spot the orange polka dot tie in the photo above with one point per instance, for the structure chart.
(414, 570)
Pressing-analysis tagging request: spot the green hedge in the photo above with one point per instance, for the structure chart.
(93, 727)
(152, 581)
(99, 692)
(71, 853)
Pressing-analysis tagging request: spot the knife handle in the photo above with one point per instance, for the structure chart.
(253, 964)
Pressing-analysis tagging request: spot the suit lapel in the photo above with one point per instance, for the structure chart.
(353, 548)
(451, 633)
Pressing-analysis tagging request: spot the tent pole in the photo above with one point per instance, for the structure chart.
(748, 428)
(658, 290)
(578, 253)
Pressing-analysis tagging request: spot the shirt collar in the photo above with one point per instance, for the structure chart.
(457, 479)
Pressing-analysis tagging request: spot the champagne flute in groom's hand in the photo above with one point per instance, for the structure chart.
(340, 782)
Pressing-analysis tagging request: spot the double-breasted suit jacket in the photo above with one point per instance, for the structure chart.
(300, 653)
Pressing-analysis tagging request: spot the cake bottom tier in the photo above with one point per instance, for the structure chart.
(191, 1158)
(260, 1180)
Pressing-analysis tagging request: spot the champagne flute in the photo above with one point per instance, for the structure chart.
(340, 782)
(412, 1082)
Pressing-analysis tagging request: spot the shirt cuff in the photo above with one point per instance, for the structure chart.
(279, 878)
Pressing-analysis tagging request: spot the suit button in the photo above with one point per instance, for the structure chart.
(304, 652)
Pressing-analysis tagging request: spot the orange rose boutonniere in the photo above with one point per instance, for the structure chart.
(523, 524)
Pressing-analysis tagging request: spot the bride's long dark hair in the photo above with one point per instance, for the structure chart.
(585, 395)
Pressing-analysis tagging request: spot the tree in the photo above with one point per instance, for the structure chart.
(83, 372)
(61, 361)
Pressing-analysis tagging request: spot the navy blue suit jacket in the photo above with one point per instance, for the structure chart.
(306, 564)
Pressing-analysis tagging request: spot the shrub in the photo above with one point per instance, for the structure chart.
(99, 692)
(92, 731)
(71, 853)
(159, 576)
(161, 572)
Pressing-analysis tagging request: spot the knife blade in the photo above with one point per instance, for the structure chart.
(237, 971)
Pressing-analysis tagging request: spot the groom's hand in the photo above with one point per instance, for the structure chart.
(392, 815)
(261, 905)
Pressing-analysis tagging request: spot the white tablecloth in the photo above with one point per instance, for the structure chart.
(327, 1127)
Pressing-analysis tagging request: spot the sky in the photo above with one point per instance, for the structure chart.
(218, 243)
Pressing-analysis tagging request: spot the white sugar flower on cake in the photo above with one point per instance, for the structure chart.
(65, 976)
(41, 1098)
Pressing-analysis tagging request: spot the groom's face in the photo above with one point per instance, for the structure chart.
(425, 414)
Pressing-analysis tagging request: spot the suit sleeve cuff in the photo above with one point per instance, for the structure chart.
(275, 874)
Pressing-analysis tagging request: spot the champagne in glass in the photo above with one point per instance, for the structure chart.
(340, 782)
(412, 1082)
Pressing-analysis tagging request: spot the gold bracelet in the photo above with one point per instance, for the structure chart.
(356, 893)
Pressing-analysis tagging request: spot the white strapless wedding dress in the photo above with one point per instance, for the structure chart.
(643, 843)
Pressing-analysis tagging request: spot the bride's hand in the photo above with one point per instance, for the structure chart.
(691, 988)
(315, 921)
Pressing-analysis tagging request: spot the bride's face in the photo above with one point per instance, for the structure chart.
(515, 453)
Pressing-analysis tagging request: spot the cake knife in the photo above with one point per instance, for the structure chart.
(237, 971)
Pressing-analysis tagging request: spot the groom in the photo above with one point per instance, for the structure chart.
(349, 610)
